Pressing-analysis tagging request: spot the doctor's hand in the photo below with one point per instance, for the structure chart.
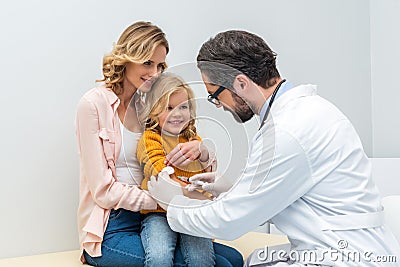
(210, 182)
(163, 189)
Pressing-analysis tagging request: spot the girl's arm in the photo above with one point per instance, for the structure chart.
(150, 154)
(184, 153)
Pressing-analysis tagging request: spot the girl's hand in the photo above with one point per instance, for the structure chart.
(184, 153)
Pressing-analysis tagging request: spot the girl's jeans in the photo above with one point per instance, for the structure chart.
(122, 245)
(159, 242)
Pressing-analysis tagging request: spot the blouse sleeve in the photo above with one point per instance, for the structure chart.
(95, 171)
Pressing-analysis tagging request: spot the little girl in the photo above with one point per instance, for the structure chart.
(169, 119)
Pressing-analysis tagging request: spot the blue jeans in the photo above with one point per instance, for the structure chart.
(122, 246)
(159, 243)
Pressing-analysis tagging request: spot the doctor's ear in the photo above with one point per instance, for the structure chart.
(241, 82)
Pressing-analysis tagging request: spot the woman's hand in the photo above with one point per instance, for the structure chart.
(163, 189)
(184, 153)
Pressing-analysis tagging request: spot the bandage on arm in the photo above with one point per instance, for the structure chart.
(191, 194)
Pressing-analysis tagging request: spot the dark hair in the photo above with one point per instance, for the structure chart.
(234, 52)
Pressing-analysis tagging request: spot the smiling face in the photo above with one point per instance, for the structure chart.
(176, 116)
(139, 76)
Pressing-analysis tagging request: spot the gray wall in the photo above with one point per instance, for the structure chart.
(52, 52)
(385, 58)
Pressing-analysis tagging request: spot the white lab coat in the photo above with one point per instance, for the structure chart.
(308, 174)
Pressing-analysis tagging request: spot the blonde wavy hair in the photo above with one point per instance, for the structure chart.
(157, 101)
(136, 44)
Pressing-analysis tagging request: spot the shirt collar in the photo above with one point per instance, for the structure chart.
(112, 98)
(286, 86)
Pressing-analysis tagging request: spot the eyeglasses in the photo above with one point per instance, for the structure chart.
(213, 98)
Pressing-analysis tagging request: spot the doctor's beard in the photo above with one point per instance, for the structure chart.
(241, 111)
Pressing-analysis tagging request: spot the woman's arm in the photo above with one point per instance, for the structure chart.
(95, 171)
(208, 163)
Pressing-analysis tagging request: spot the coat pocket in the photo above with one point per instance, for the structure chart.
(108, 140)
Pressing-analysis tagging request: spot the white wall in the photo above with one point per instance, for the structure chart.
(386, 175)
(51, 55)
(385, 58)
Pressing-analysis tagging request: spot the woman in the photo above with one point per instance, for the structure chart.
(109, 221)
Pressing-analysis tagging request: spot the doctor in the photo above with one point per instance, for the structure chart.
(307, 171)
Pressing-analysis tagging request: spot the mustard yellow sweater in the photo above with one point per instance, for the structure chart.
(151, 151)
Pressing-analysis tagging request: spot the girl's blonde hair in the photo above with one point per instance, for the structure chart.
(157, 101)
(136, 44)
